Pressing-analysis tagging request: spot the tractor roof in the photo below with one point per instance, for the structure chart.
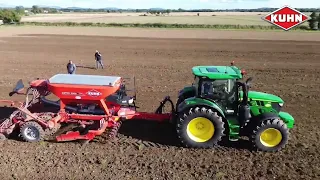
(217, 72)
(91, 80)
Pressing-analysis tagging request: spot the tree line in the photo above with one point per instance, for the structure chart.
(37, 9)
(14, 14)
(158, 10)
(314, 21)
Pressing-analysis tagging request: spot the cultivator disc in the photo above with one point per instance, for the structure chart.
(47, 117)
(5, 124)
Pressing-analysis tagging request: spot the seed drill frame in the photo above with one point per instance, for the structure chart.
(91, 103)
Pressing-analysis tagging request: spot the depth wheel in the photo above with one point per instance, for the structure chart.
(200, 128)
(270, 135)
(32, 132)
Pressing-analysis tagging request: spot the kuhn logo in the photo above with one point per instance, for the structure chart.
(286, 18)
(94, 93)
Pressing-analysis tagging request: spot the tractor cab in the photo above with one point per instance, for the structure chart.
(215, 83)
(223, 91)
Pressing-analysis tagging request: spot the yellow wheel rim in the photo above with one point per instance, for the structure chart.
(270, 137)
(200, 129)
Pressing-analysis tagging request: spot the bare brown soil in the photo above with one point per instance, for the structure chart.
(289, 69)
(6, 31)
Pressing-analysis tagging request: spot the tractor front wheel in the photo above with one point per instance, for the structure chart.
(32, 132)
(270, 135)
(200, 128)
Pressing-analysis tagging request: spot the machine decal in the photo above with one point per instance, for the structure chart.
(94, 93)
(71, 94)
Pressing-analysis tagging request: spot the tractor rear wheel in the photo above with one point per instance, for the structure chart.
(32, 132)
(200, 128)
(270, 135)
(180, 100)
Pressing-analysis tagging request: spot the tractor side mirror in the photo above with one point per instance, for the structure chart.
(249, 80)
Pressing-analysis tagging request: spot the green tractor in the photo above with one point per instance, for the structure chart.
(219, 106)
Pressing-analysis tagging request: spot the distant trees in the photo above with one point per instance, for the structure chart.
(35, 9)
(9, 16)
(314, 21)
(158, 12)
(20, 10)
(15, 14)
(319, 22)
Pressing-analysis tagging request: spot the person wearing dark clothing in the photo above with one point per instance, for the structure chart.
(71, 67)
(98, 58)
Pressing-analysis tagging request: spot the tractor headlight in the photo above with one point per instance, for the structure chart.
(281, 104)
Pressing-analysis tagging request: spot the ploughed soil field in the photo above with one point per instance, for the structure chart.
(147, 150)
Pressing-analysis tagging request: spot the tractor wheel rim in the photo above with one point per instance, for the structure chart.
(200, 129)
(270, 137)
(31, 133)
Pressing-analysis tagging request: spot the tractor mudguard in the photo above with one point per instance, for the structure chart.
(264, 116)
(185, 93)
(187, 90)
(287, 118)
(194, 101)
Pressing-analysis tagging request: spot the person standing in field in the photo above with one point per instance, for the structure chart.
(98, 58)
(71, 67)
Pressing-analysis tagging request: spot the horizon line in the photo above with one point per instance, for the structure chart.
(52, 6)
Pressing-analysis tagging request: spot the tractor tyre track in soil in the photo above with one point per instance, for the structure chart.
(147, 150)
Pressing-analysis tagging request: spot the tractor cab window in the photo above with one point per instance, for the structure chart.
(222, 91)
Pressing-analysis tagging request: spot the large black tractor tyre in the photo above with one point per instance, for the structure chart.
(180, 100)
(200, 127)
(270, 135)
(32, 132)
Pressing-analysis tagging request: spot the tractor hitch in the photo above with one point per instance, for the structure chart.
(162, 105)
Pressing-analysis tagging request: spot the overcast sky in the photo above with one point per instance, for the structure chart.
(173, 4)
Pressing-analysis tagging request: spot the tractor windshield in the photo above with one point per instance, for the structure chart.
(221, 91)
